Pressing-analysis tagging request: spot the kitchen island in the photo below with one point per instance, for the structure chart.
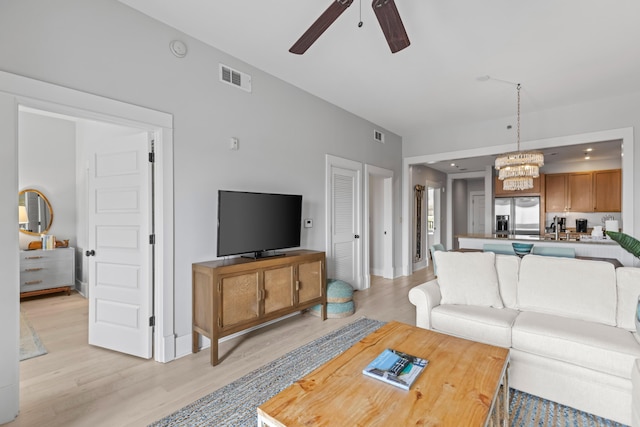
(595, 248)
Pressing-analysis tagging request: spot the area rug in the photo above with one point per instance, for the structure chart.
(234, 405)
(30, 344)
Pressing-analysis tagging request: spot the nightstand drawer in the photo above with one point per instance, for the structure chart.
(40, 269)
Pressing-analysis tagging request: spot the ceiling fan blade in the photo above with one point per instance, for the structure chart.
(322, 23)
(391, 24)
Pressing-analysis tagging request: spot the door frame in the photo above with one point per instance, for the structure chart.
(387, 176)
(57, 99)
(339, 162)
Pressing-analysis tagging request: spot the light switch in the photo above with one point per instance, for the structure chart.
(308, 223)
(234, 144)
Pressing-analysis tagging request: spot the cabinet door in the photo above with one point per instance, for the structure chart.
(579, 192)
(239, 302)
(310, 281)
(555, 192)
(279, 289)
(607, 191)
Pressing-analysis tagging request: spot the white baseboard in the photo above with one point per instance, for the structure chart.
(82, 288)
(183, 342)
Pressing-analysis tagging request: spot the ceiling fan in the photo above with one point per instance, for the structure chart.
(385, 10)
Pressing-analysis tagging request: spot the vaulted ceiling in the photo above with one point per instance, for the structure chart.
(562, 52)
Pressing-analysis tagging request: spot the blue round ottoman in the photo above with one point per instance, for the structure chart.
(339, 300)
(339, 291)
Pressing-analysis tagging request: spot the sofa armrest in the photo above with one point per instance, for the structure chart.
(425, 297)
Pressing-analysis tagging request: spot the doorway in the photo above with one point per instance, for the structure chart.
(97, 178)
(378, 224)
(25, 92)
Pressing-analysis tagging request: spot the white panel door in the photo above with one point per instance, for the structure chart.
(120, 280)
(345, 253)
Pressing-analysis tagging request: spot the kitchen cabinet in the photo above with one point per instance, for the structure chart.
(535, 191)
(607, 190)
(569, 192)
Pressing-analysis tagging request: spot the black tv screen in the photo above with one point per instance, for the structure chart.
(257, 222)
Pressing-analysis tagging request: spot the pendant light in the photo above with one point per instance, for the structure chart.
(517, 169)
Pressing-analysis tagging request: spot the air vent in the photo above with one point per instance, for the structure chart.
(235, 78)
(378, 136)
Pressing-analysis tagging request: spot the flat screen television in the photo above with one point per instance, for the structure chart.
(253, 224)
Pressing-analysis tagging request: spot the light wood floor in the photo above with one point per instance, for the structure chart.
(79, 385)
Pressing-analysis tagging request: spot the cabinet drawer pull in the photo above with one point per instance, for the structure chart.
(33, 282)
(33, 257)
(34, 269)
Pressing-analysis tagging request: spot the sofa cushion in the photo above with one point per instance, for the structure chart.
(574, 288)
(592, 345)
(484, 324)
(628, 293)
(507, 267)
(468, 278)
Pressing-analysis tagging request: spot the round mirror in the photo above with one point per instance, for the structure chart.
(35, 215)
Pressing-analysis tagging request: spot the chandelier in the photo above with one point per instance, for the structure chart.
(517, 169)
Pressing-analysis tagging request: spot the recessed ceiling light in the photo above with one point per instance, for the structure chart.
(589, 150)
(453, 165)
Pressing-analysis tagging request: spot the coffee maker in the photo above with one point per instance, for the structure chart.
(581, 225)
(562, 224)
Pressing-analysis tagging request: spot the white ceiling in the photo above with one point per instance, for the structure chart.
(562, 52)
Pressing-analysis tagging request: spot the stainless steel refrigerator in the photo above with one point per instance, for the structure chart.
(524, 214)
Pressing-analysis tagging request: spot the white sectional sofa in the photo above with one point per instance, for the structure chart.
(570, 323)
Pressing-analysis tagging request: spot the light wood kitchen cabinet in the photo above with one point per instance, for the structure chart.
(569, 192)
(607, 190)
(596, 191)
(580, 192)
(556, 192)
(233, 295)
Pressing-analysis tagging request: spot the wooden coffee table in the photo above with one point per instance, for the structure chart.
(459, 387)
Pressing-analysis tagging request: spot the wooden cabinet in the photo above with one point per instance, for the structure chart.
(597, 191)
(607, 191)
(46, 271)
(535, 191)
(569, 192)
(233, 295)
(555, 192)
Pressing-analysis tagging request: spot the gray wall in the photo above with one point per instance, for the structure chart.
(105, 48)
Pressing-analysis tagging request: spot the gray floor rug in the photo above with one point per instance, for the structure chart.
(30, 344)
(234, 405)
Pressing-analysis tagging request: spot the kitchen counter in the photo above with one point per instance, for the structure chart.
(573, 238)
(597, 248)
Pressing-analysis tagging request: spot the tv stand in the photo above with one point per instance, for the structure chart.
(230, 296)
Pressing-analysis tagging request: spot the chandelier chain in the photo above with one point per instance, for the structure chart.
(518, 116)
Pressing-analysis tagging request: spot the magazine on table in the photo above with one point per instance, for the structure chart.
(395, 367)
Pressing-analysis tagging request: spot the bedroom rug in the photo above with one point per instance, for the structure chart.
(30, 344)
(234, 405)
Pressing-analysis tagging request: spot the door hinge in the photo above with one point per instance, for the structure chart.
(152, 157)
(152, 239)
(152, 321)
